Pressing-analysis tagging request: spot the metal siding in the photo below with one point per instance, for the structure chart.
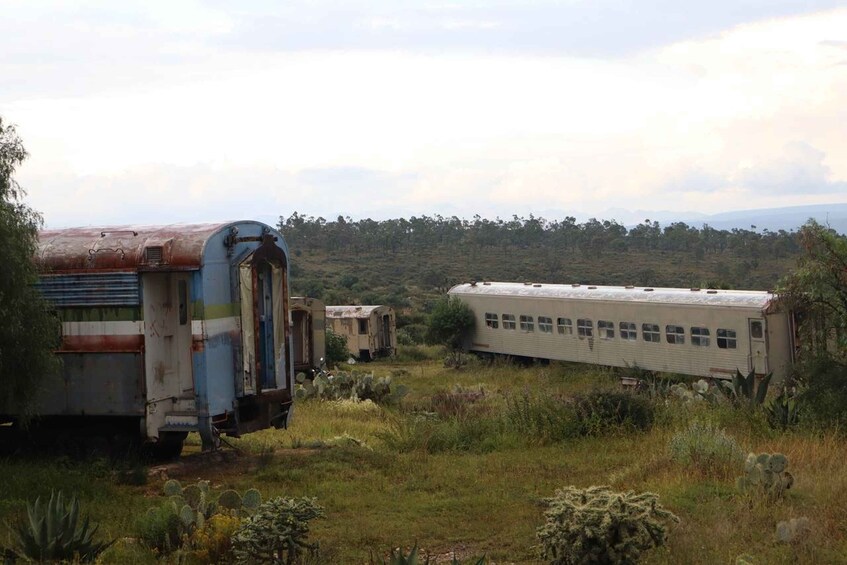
(96, 384)
(681, 358)
(91, 289)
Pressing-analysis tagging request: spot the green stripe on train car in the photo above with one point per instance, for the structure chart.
(100, 314)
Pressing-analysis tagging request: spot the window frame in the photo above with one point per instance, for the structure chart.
(584, 328)
(564, 326)
(509, 322)
(545, 324)
(675, 337)
(628, 330)
(527, 323)
(702, 337)
(605, 329)
(653, 330)
(492, 320)
(726, 339)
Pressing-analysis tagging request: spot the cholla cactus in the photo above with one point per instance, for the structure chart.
(598, 525)
(765, 474)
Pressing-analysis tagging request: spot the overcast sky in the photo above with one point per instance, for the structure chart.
(190, 111)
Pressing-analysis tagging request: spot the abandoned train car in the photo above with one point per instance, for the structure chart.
(308, 333)
(370, 330)
(707, 333)
(168, 329)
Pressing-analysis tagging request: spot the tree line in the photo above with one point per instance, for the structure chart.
(401, 235)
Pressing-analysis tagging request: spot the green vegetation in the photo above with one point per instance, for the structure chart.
(277, 533)
(449, 322)
(483, 447)
(766, 475)
(29, 332)
(706, 448)
(599, 525)
(54, 531)
(336, 348)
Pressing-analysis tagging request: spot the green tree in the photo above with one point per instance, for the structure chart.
(336, 348)
(817, 291)
(450, 320)
(29, 331)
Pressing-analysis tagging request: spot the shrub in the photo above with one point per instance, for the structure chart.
(603, 412)
(277, 532)
(705, 447)
(457, 403)
(213, 542)
(598, 525)
(336, 348)
(54, 532)
(541, 420)
(824, 398)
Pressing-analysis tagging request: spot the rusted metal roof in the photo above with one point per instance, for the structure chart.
(124, 248)
(351, 311)
(684, 296)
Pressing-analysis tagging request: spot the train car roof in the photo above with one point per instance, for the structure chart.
(757, 299)
(351, 311)
(122, 248)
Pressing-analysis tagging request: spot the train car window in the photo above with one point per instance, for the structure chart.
(182, 292)
(492, 321)
(545, 324)
(700, 337)
(584, 328)
(628, 331)
(508, 321)
(565, 326)
(675, 334)
(363, 326)
(756, 331)
(726, 339)
(527, 324)
(651, 333)
(606, 329)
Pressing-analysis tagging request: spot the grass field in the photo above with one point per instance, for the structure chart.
(458, 480)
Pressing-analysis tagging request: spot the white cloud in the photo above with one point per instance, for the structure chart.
(701, 124)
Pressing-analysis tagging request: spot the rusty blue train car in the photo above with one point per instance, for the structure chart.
(168, 330)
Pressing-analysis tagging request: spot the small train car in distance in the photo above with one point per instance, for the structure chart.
(707, 333)
(370, 330)
(308, 332)
(168, 330)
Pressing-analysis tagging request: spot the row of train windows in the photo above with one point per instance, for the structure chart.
(701, 337)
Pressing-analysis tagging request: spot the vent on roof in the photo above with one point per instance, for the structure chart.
(487, 283)
(536, 285)
(153, 254)
(575, 285)
(648, 290)
(695, 289)
(629, 286)
(711, 292)
(592, 288)
(527, 283)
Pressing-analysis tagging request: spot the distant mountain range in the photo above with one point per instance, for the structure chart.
(773, 219)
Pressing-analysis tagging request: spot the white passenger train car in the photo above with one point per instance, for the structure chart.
(707, 333)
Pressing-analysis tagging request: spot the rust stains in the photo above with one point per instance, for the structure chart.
(104, 343)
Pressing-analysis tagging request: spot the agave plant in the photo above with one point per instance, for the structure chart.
(53, 532)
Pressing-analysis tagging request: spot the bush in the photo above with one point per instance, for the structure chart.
(478, 435)
(603, 412)
(598, 525)
(277, 532)
(458, 403)
(541, 420)
(706, 448)
(336, 348)
(160, 528)
(824, 398)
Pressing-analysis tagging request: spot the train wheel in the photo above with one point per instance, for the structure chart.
(169, 445)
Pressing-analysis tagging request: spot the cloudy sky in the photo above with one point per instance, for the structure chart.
(189, 111)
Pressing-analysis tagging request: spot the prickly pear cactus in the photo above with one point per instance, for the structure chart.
(792, 530)
(765, 474)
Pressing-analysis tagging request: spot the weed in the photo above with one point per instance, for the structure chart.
(707, 448)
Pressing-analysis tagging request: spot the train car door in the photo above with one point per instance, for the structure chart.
(385, 338)
(262, 325)
(302, 338)
(167, 344)
(758, 346)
